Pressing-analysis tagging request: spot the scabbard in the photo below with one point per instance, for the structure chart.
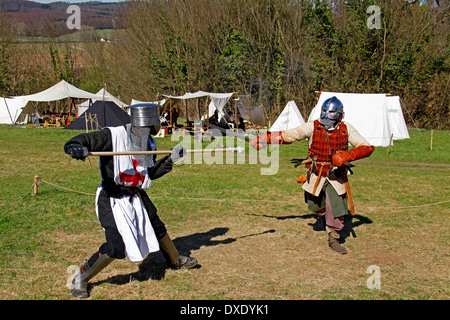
(351, 207)
(318, 179)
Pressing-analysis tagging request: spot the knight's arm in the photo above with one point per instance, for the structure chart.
(165, 164)
(362, 148)
(161, 167)
(299, 133)
(93, 141)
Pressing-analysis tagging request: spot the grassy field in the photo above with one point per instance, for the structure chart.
(252, 233)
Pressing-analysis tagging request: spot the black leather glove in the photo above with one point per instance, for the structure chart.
(177, 153)
(77, 151)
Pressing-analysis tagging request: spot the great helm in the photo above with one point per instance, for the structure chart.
(331, 113)
(146, 115)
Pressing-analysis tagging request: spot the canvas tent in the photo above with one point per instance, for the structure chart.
(252, 115)
(368, 113)
(134, 101)
(100, 115)
(10, 109)
(218, 100)
(289, 118)
(396, 118)
(106, 96)
(59, 91)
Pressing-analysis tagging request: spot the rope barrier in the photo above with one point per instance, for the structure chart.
(20, 200)
(88, 194)
(251, 200)
(418, 206)
(37, 181)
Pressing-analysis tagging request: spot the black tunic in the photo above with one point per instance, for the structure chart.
(102, 141)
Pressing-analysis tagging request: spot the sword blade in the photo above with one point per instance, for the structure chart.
(227, 132)
(131, 153)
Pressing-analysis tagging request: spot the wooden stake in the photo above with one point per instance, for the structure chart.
(85, 118)
(90, 120)
(36, 183)
(390, 142)
(431, 142)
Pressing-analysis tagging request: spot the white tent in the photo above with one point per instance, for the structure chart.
(10, 109)
(368, 113)
(396, 118)
(289, 118)
(59, 91)
(218, 100)
(106, 96)
(134, 101)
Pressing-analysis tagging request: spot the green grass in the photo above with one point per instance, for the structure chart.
(251, 233)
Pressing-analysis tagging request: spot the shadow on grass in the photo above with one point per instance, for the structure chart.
(318, 224)
(154, 265)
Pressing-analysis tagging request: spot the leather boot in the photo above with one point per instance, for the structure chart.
(333, 241)
(80, 281)
(172, 255)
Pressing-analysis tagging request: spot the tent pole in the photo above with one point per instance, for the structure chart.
(85, 118)
(170, 112)
(12, 121)
(207, 109)
(235, 116)
(249, 108)
(186, 110)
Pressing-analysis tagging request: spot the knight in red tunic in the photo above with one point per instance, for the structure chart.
(325, 184)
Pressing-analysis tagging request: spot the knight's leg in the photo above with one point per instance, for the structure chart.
(336, 210)
(172, 254)
(92, 267)
(318, 206)
(113, 248)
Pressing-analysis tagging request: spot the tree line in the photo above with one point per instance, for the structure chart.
(273, 50)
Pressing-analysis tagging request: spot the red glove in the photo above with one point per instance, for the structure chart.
(357, 153)
(261, 141)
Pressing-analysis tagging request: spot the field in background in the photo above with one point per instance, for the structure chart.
(252, 234)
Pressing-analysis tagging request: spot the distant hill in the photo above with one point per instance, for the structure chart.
(34, 19)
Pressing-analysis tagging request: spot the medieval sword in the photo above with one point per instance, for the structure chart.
(129, 153)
